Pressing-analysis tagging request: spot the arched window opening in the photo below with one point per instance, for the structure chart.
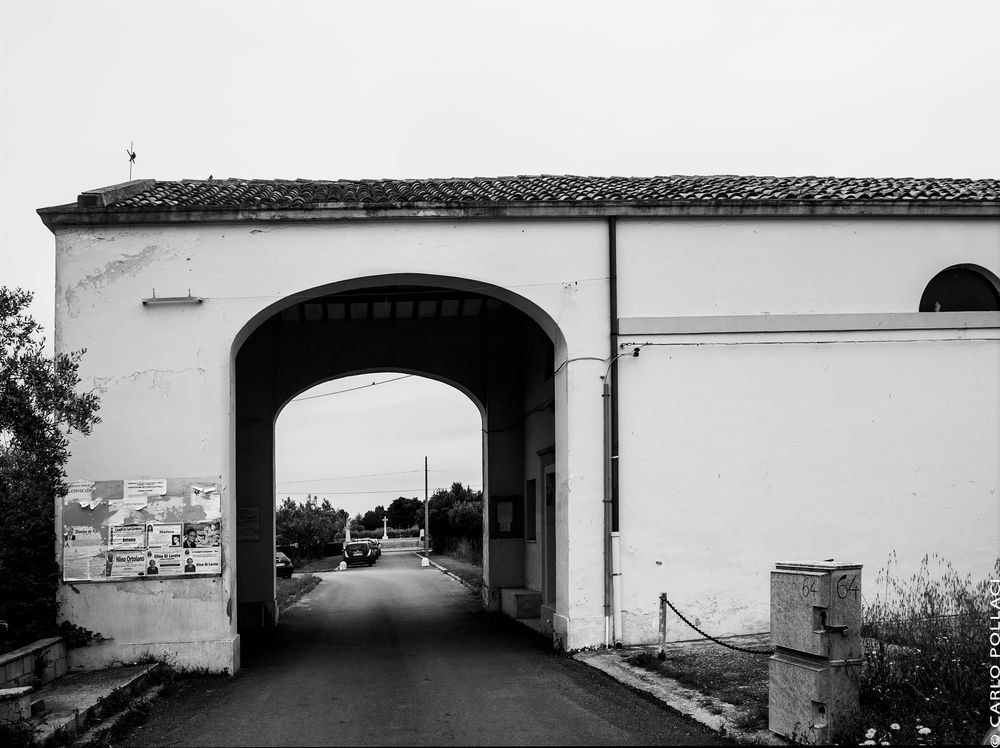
(962, 288)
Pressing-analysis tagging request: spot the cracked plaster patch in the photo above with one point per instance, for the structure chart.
(128, 265)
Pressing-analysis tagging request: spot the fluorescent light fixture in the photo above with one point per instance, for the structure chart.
(164, 300)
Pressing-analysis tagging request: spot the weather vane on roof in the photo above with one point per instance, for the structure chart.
(131, 158)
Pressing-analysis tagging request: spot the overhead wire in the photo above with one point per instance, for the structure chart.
(368, 475)
(349, 389)
(358, 493)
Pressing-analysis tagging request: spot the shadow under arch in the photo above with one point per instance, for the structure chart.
(523, 304)
(493, 345)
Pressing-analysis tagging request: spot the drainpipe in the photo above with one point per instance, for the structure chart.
(612, 561)
(608, 568)
(610, 633)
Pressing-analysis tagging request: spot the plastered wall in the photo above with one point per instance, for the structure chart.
(741, 450)
(165, 373)
(737, 450)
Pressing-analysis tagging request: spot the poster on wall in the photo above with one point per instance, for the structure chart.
(138, 527)
(247, 524)
(164, 562)
(125, 537)
(202, 534)
(202, 561)
(164, 535)
(125, 563)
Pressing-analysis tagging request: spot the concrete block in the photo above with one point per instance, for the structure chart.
(810, 701)
(816, 630)
(15, 704)
(808, 600)
(520, 602)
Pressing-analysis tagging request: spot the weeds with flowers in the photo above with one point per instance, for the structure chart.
(924, 679)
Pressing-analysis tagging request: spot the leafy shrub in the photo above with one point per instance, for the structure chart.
(924, 678)
(455, 513)
(39, 406)
(308, 527)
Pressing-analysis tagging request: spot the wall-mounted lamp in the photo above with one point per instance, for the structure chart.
(189, 299)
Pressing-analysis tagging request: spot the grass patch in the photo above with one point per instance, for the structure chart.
(924, 679)
(737, 678)
(291, 590)
(132, 717)
(326, 563)
(470, 573)
(466, 551)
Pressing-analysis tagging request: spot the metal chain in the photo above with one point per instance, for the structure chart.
(680, 615)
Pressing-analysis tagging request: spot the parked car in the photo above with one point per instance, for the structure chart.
(377, 547)
(283, 565)
(359, 552)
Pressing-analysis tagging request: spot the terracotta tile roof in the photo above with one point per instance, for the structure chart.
(250, 194)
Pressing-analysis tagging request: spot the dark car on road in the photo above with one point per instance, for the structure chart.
(359, 552)
(283, 565)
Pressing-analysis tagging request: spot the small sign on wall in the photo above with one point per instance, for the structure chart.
(247, 524)
(506, 517)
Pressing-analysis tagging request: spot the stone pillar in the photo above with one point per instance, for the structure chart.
(816, 666)
(254, 486)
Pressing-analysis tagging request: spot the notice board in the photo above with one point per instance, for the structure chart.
(142, 528)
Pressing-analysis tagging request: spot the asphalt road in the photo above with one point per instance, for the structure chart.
(396, 654)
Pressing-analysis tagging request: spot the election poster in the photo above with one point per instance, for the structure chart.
(126, 563)
(202, 534)
(126, 537)
(202, 561)
(164, 535)
(83, 547)
(165, 562)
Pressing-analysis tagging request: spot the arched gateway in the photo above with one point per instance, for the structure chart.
(789, 397)
(470, 335)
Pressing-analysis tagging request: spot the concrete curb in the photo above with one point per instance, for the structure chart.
(444, 570)
(678, 697)
(666, 690)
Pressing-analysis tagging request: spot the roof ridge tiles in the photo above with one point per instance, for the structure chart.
(299, 193)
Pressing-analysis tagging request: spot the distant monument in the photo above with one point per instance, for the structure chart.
(385, 528)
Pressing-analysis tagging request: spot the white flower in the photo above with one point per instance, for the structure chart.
(870, 733)
(924, 731)
(868, 742)
(894, 726)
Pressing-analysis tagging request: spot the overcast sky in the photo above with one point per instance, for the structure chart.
(329, 90)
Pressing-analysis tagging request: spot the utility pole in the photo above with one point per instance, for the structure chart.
(427, 527)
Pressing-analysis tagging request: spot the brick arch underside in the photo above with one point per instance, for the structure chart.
(500, 359)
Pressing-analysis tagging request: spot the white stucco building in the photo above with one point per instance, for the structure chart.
(682, 379)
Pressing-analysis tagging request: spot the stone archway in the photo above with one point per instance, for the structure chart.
(488, 343)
